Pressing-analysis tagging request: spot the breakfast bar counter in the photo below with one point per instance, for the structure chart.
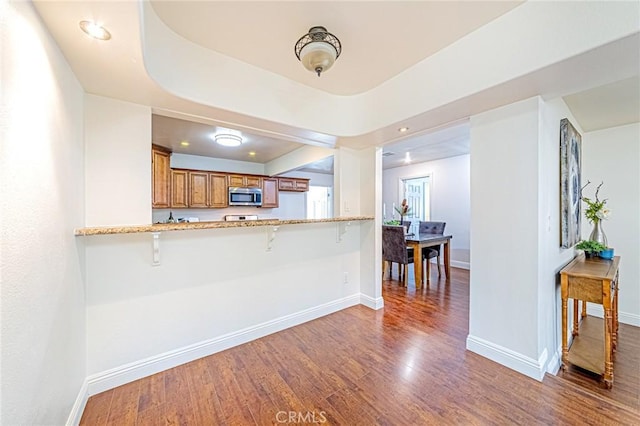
(162, 227)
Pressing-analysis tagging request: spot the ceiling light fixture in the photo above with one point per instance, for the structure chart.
(403, 129)
(227, 139)
(184, 143)
(318, 49)
(94, 30)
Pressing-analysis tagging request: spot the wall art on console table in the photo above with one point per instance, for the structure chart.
(570, 183)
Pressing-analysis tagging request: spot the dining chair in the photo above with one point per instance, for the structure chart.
(394, 250)
(426, 227)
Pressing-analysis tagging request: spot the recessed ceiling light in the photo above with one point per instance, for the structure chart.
(227, 139)
(252, 154)
(403, 129)
(94, 30)
(184, 143)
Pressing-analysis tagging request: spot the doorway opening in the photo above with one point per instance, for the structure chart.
(319, 202)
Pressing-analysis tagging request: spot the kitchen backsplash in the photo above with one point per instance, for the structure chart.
(292, 206)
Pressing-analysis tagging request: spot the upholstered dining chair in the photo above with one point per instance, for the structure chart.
(394, 250)
(427, 252)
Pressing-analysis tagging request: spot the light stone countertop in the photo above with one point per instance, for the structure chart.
(162, 227)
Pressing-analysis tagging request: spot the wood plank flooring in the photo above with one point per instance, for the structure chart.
(403, 365)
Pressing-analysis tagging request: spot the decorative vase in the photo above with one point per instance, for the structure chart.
(598, 234)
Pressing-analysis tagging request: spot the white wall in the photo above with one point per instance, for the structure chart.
(449, 198)
(117, 162)
(371, 232)
(612, 156)
(214, 288)
(552, 257)
(515, 303)
(199, 162)
(503, 311)
(41, 182)
(346, 178)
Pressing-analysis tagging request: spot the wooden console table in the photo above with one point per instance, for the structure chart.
(596, 281)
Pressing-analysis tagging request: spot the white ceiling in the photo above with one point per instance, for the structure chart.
(172, 132)
(380, 41)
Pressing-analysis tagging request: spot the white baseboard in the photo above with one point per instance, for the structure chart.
(370, 302)
(511, 359)
(453, 263)
(78, 405)
(555, 362)
(623, 317)
(118, 376)
(461, 265)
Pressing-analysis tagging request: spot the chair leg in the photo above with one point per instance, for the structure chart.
(428, 271)
(438, 259)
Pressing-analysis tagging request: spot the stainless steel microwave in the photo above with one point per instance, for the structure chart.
(245, 196)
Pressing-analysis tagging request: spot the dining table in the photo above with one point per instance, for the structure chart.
(420, 240)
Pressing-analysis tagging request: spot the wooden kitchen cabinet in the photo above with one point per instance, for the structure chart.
(293, 184)
(161, 177)
(179, 188)
(198, 189)
(269, 192)
(218, 192)
(245, 181)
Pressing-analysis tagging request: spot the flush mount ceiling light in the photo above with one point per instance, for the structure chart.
(403, 129)
(227, 139)
(94, 30)
(318, 49)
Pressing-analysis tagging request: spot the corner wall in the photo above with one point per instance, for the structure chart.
(552, 257)
(503, 311)
(612, 156)
(117, 162)
(41, 182)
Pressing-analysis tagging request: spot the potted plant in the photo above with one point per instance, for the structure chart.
(403, 210)
(591, 248)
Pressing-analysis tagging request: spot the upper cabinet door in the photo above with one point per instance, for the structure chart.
(236, 180)
(198, 189)
(161, 178)
(269, 193)
(218, 192)
(179, 188)
(293, 184)
(245, 181)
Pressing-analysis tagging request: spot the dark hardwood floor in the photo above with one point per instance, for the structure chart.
(403, 365)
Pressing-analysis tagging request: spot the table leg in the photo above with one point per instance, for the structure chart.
(575, 317)
(608, 363)
(584, 309)
(417, 264)
(447, 271)
(615, 316)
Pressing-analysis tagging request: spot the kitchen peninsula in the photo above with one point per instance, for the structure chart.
(159, 227)
(160, 295)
